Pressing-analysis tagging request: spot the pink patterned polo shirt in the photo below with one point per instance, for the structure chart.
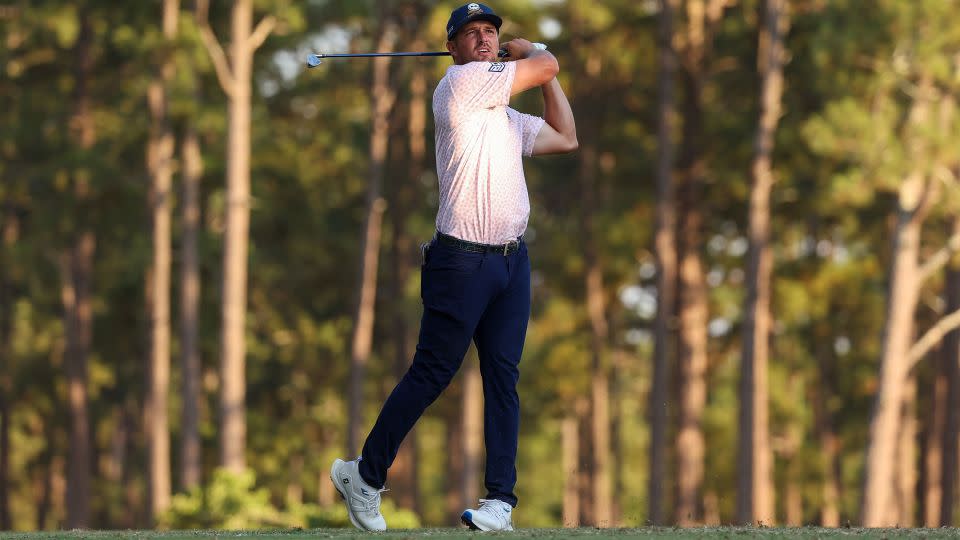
(480, 142)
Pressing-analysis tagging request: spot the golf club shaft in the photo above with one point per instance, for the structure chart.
(370, 55)
(315, 60)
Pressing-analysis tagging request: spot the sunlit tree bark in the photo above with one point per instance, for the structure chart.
(160, 157)
(235, 75)
(755, 494)
(903, 294)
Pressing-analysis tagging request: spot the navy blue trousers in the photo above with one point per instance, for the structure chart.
(479, 296)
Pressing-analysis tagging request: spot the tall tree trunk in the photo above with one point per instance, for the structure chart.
(192, 173)
(692, 305)
(905, 485)
(601, 473)
(235, 77)
(76, 274)
(190, 449)
(472, 434)
(585, 476)
(898, 331)
(160, 156)
(233, 423)
(902, 298)
(951, 435)
(76, 270)
(933, 423)
(619, 360)
(693, 314)
(570, 449)
(666, 260)
(382, 99)
(589, 111)
(9, 233)
(755, 501)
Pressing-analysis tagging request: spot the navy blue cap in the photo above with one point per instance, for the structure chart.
(470, 12)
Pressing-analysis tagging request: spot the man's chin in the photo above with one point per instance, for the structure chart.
(484, 57)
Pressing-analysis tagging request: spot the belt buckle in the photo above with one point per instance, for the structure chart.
(506, 247)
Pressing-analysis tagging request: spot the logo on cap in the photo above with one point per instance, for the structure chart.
(473, 8)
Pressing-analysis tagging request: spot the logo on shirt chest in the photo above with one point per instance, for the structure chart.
(497, 67)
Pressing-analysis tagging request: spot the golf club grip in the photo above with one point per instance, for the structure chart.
(502, 53)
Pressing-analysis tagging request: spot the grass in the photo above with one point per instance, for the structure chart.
(651, 533)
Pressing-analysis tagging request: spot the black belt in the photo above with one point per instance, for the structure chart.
(504, 249)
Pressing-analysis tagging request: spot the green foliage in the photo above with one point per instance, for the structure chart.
(232, 501)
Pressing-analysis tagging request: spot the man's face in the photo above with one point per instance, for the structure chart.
(477, 41)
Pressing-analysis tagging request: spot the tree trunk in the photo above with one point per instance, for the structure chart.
(620, 358)
(951, 435)
(692, 304)
(570, 449)
(914, 200)
(934, 431)
(382, 99)
(76, 275)
(905, 487)
(192, 162)
(233, 423)
(666, 260)
(897, 335)
(235, 76)
(585, 477)
(160, 156)
(190, 445)
(755, 501)
(600, 469)
(76, 270)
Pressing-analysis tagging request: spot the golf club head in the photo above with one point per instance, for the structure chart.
(313, 61)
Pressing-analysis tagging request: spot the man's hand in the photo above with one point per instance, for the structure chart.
(518, 49)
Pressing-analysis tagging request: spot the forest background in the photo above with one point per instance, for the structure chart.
(746, 284)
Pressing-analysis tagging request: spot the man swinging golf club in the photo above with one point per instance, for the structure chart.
(475, 279)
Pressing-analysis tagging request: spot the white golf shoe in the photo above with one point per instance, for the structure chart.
(493, 515)
(362, 500)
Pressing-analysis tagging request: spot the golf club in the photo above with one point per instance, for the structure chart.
(315, 60)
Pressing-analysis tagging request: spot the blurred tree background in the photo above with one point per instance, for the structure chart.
(746, 282)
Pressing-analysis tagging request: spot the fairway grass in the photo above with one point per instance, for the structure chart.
(651, 533)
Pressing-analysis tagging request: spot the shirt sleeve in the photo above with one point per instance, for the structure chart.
(530, 127)
(482, 85)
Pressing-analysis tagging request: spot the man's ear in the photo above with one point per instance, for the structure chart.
(450, 49)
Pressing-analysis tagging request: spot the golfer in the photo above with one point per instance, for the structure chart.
(475, 279)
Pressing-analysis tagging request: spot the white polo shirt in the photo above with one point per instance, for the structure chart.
(479, 145)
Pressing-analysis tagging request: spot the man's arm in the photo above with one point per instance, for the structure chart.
(559, 134)
(535, 67)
